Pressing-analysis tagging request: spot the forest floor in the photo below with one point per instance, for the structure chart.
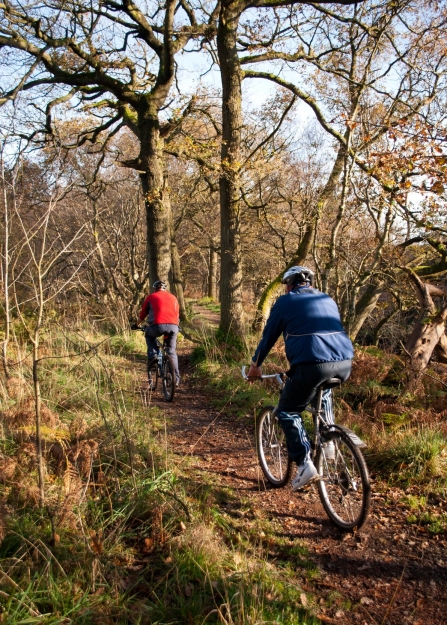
(388, 573)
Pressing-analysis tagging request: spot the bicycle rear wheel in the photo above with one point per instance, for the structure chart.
(152, 375)
(272, 450)
(168, 380)
(344, 490)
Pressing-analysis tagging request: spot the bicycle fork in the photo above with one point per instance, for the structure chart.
(272, 428)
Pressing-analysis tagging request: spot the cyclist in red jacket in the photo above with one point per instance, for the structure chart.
(162, 311)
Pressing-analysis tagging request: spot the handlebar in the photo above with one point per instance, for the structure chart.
(134, 326)
(277, 377)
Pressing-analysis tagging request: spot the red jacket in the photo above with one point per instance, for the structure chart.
(162, 307)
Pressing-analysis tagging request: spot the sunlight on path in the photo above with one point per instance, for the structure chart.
(204, 318)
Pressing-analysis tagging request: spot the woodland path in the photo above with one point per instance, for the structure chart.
(391, 573)
(204, 318)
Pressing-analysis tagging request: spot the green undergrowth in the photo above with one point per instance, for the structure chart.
(411, 456)
(219, 364)
(427, 512)
(433, 522)
(210, 304)
(127, 533)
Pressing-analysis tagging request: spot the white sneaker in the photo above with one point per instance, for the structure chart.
(306, 474)
(329, 450)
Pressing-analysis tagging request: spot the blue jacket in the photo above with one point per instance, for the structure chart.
(310, 323)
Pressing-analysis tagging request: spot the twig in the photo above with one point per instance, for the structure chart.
(405, 350)
(189, 337)
(371, 617)
(433, 377)
(178, 500)
(34, 610)
(92, 348)
(50, 554)
(210, 425)
(394, 594)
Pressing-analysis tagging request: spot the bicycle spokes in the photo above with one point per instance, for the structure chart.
(272, 450)
(344, 488)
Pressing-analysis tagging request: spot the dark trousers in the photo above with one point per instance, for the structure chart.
(152, 332)
(299, 391)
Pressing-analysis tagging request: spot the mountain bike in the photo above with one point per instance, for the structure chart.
(344, 487)
(162, 368)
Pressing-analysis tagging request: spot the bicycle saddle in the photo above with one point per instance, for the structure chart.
(331, 383)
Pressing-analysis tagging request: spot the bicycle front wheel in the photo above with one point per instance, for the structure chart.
(272, 449)
(168, 379)
(344, 489)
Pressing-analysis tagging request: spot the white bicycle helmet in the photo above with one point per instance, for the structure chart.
(297, 275)
(159, 285)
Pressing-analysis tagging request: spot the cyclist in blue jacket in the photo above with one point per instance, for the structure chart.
(317, 348)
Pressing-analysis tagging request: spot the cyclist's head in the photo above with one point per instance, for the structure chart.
(298, 275)
(159, 285)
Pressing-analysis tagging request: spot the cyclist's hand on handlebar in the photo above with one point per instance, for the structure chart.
(254, 373)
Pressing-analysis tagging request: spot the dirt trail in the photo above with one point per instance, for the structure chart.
(205, 318)
(391, 573)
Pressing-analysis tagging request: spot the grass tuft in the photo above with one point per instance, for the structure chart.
(412, 456)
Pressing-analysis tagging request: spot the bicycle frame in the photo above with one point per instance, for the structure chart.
(319, 420)
(161, 354)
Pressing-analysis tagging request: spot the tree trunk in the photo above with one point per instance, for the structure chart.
(177, 283)
(212, 274)
(430, 326)
(379, 326)
(441, 349)
(232, 314)
(38, 419)
(341, 162)
(156, 196)
(39, 294)
(5, 272)
(364, 308)
(425, 337)
(330, 193)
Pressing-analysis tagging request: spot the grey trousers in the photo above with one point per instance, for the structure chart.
(171, 330)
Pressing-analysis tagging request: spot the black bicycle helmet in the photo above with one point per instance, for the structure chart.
(159, 285)
(298, 275)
